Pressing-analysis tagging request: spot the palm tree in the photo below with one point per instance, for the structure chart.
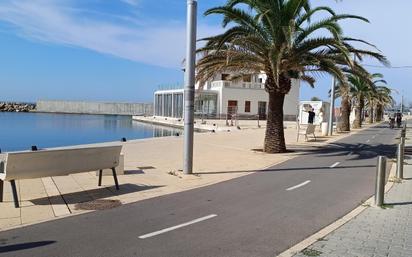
(376, 79)
(362, 91)
(342, 90)
(281, 39)
(383, 99)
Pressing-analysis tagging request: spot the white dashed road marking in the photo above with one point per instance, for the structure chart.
(297, 186)
(334, 165)
(177, 226)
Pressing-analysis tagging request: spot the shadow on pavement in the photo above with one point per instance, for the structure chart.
(82, 196)
(24, 246)
(398, 204)
(359, 151)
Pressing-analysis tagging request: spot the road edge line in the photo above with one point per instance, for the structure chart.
(337, 224)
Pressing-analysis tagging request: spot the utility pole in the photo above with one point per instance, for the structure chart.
(402, 102)
(189, 91)
(332, 106)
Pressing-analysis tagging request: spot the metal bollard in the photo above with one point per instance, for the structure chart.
(380, 180)
(399, 160)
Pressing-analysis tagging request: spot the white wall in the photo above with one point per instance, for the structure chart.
(256, 95)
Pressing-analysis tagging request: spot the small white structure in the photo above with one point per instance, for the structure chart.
(222, 95)
(321, 110)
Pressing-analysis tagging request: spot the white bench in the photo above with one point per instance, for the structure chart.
(309, 130)
(57, 162)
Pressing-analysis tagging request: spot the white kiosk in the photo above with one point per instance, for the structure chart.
(321, 110)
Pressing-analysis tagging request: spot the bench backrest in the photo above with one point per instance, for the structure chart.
(310, 129)
(57, 162)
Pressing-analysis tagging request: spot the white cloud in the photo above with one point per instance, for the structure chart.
(45, 20)
(131, 2)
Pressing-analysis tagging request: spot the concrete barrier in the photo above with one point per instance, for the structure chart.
(84, 107)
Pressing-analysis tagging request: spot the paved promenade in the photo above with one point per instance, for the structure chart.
(376, 232)
(152, 168)
(260, 215)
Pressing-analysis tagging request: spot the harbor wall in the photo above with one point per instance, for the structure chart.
(84, 107)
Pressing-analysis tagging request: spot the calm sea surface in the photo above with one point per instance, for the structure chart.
(19, 131)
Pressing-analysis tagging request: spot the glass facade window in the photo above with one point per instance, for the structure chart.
(206, 104)
(171, 104)
(158, 104)
(167, 107)
(178, 105)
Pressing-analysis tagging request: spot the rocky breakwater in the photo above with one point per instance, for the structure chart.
(16, 107)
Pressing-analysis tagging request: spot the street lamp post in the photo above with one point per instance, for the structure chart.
(189, 91)
(401, 102)
(332, 106)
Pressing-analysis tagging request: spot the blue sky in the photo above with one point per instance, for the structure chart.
(122, 50)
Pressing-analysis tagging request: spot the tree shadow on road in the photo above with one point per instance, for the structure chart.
(287, 169)
(357, 152)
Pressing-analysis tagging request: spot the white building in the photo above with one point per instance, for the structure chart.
(245, 96)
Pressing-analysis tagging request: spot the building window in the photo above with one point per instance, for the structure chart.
(225, 77)
(247, 106)
(262, 110)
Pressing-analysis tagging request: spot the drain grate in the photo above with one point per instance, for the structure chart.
(98, 205)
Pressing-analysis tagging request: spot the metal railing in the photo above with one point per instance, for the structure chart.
(234, 84)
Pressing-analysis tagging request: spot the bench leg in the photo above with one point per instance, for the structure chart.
(100, 177)
(115, 178)
(1, 190)
(15, 196)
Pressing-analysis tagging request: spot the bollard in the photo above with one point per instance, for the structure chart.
(380, 180)
(399, 160)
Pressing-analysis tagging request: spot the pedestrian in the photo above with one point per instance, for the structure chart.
(311, 116)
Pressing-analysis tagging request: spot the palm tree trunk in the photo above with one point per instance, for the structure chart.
(274, 137)
(345, 122)
(358, 114)
(379, 113)
(358, 117)
(362, 107)
(371, 113)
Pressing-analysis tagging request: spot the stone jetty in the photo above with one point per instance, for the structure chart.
(16, 107)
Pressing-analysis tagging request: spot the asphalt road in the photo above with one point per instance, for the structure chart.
(261, 214)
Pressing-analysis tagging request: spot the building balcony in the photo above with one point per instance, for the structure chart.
(237, 84)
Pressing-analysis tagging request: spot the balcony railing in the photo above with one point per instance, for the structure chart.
(234, 84)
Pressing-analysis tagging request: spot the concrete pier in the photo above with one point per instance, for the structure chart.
(84, 107)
